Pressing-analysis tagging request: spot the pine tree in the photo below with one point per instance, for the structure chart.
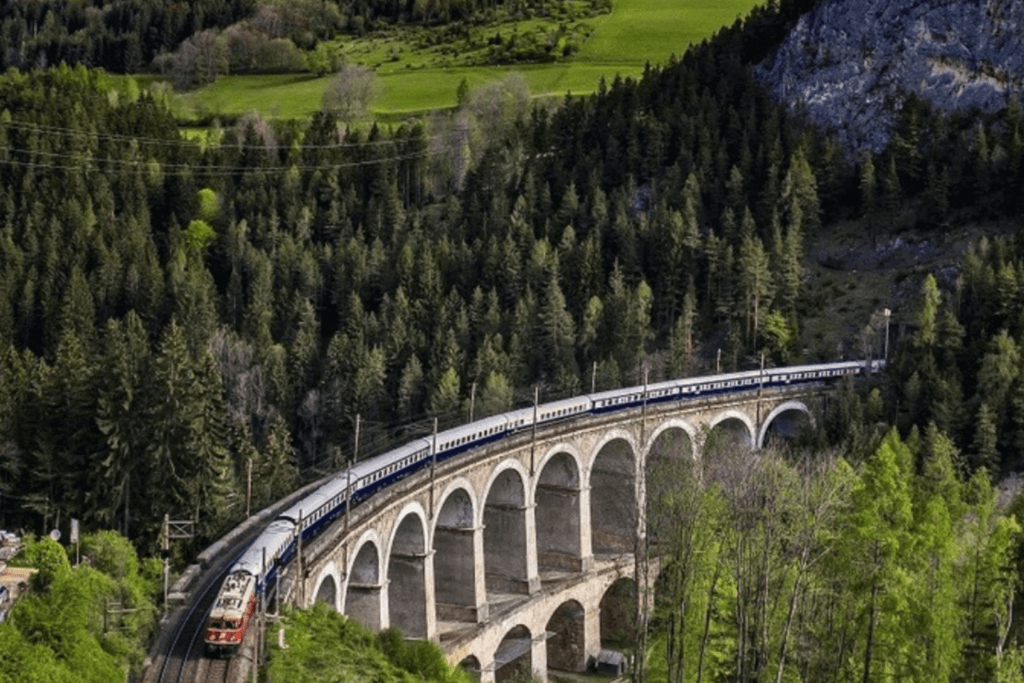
(121, 420)
(986, 439)
(444, 402)
(558, 330)
(868, 185)
(186, 458)
(927, 317)
(755, 282)
(410, 389)
(879, 531)
(681, 343)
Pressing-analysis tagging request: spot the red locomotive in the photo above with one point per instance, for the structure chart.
(229, 619)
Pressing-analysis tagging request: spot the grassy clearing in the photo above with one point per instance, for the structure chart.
(418, 76)
(638, 31)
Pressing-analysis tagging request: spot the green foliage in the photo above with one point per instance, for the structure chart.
(209, 204)
(58, 631)
(872, 572)
(326, 646)
(199, 235)
(49, 558)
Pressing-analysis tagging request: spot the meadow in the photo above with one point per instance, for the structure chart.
(417, 78)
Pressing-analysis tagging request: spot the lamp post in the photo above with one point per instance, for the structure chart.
(888, 314)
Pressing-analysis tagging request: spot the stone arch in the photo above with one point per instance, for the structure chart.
(675, 424)
(557, 520)
(613, 494)
(364, 594)
(406, 572)
(500, 469)
(671, 462)
(469, 491)
(797, 408)
(506, 537)
(471, 665)
(618, 614)
(566, 647)
(562, 448)
(739, 428)
(609, 436)
(326, 587)
(455, 554)
(514, 657)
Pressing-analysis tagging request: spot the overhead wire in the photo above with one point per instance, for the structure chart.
(38, 128)
(96, 164)
(73, 161)
(108, 164)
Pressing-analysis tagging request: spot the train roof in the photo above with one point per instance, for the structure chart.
(314, 500)
(234, 596)
(564, 403)
(472, 428)
(391, 456)
(274, 538)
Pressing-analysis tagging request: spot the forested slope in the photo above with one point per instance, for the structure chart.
(171, 310)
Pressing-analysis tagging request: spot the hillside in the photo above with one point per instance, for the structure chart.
(851, 64)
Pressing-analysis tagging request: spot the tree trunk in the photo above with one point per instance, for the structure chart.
(869, 646)
(707, 619)
(793, 599)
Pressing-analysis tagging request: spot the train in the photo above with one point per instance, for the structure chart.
(258, 566)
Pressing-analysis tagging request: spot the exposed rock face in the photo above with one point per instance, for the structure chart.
(851, 63)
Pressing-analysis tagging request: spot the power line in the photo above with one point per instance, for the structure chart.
(167, 142)
(96, 164)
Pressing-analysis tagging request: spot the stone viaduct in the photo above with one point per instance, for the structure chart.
(519, 555)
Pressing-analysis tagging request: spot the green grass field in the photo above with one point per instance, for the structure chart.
(417, 80)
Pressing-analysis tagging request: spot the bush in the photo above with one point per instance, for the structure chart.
(326, 646)
(59, 631)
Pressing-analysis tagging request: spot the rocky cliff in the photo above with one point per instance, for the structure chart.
(851, 63)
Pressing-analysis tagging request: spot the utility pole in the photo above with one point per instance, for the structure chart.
(248, 486)
(433, 468)
(348, 486)
(167, 557)
(888, 314)
(298, 563)
(472, 400)
(172, 529)
(533, 437)
(760, 388)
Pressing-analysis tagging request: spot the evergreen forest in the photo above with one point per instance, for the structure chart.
(174, 311)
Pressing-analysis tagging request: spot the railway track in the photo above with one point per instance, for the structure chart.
(181, 662)
(216, 671)
(180, 658)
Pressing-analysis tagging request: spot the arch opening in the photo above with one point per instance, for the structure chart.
(513, 659)
(786, 427)
(730, 435)
(566, 644)
(454, 560)
(407, 596)
(618, 615)
(613, 499)
(670, 470)
(363, 594)
(327, 592)
(557, 517)
(471, 665)
(505, 536)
